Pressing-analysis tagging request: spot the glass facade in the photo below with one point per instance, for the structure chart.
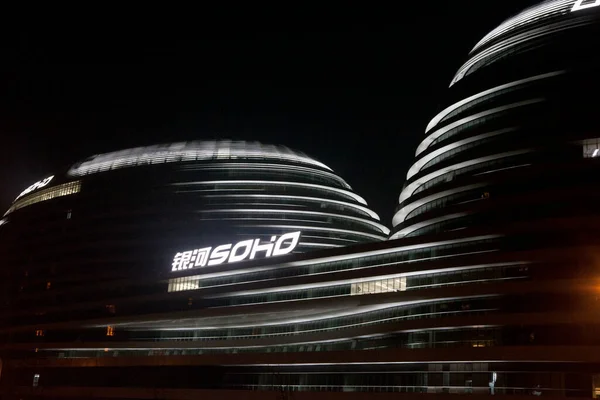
(46, 194)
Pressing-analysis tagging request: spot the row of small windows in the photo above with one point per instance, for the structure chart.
(368, 287)
(308, 217)
(46, 194)
(203, 151)
(361, 288)
(489, 98)
(467, 126)
(359, 262)
(465, 378)
(443, 226)
(392, 314)
(274, 173)
(451, 153)
(299, 203)
(450, 176)
(379, 286)
(448, 201)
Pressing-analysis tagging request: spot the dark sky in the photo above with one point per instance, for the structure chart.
(353, 88)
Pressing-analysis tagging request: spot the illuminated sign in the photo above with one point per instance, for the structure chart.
(35, 186)
(579, 4)
(244, 250)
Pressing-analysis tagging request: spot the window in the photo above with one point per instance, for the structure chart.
(36, 379)
(185, 283)
(39, 332)
(48, 285)
(111, 308)
(69, 214)
(591, 148)
(47, 194)
(110, 331)
(379, 286)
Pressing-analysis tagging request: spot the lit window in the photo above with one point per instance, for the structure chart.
(69, 213)
(183, 284)
(36, 380)
(379, 286)
(591, 148)
(39, 332)
(47, 194)
(48, 285)
(110, 331)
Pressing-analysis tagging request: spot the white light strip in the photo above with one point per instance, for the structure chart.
(423, 224)
(595, 153)
(401, 215)
(420, 163)
(358, 207)
(436, 134)
(382, 228)
(410, 188)
(305, 228)
(261, 166)
(50, 193)
(343, 257)
(276, 183)
(528, 16)
(366, 279)
(438, 118)
(189, 151)
(420, 271)
(508, 45)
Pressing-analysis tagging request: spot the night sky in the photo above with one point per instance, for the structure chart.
(352, 88)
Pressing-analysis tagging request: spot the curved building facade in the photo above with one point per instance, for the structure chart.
(490, 286)
(156, 201)
(519, 138)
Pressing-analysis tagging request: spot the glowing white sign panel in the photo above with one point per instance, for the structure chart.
(579, 4)
(35, 186)
(246, 249)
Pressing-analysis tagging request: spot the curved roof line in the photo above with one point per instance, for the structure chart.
(189, 151)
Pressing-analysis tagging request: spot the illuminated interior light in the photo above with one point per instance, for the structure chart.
(595, 153)
(45, 194)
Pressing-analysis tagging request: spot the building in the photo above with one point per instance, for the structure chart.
(489, 285)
